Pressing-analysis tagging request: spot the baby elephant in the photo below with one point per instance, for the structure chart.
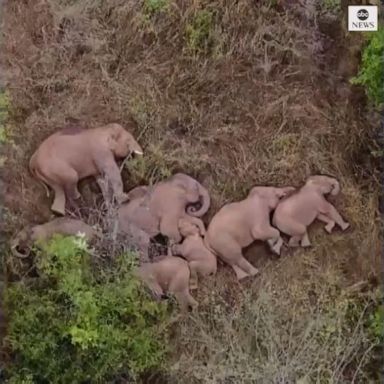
(294, 214)
(23, 242)
(72, 154)
(168, 274)
(201, 260)
(237, 225)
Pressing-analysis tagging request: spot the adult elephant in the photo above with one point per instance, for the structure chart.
(158, 209)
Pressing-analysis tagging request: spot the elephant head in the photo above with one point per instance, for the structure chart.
(271, 194)
(122, 142)
(192, 185)
(325, 184)
(188, 227)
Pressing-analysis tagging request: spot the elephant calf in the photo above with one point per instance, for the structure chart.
(24, 240)
(294, 214)
(201, 260)
(237, 225)
(168, 274)
(72, 154)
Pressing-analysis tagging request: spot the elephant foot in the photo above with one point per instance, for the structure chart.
(345, 226)
(240, 274)
(294, 242)
(277, 246)
(305, 243)
(58, 209)
(329, 227)
(193, 284)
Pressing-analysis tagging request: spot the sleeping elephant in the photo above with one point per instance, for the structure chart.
(239, 224)
(294, 214)
(168, 274)
(22, 243)
(72, 154)
(158, 209)
(189, 183)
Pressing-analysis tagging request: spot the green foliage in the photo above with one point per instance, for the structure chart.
(376, 323)
(4, 107)
(152, 7)
(199, 32)
(333, 6)
(371, 74)
(76, 323)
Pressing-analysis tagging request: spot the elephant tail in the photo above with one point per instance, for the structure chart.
(36, 174)
(206, 203)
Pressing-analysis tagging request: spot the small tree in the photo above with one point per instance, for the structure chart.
(76, 323)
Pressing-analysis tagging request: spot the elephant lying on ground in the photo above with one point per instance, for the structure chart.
(158, 209)
(169, 274)
(201, 260)
(72, 154)
(237, 225)
(138, 239)
(23, 242)
(294, 214)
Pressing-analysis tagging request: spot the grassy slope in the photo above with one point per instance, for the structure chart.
(235, 94)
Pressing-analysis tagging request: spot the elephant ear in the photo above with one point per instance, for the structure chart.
(116, 132)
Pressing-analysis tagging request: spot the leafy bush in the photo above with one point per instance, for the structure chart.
(199, 31)
(152, 7)
(371, 74)
(76, 323)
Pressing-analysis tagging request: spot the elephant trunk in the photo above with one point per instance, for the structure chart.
(206, 203)
(17, 250)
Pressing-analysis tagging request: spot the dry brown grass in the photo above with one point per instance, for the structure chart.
(254, 95)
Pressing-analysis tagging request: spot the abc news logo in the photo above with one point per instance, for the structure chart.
(362, 19)
(362, 14)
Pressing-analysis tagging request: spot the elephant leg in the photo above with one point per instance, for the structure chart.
(72, 191)
(331, 211)
(103, 185)
(294, 241)
(269, 234)
(247, 267)
(185, 300)
(305, 240)
(169, 227)
(194, 267)
(240, 274)
(155, 288)
(329, 222)
(58, 204)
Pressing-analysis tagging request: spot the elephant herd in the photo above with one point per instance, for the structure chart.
(172, 208)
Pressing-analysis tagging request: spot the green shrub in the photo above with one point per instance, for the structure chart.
(4, 106)
(77, 323)
(199, 32)
(152, 7)
(371, 74)
(376, 323)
